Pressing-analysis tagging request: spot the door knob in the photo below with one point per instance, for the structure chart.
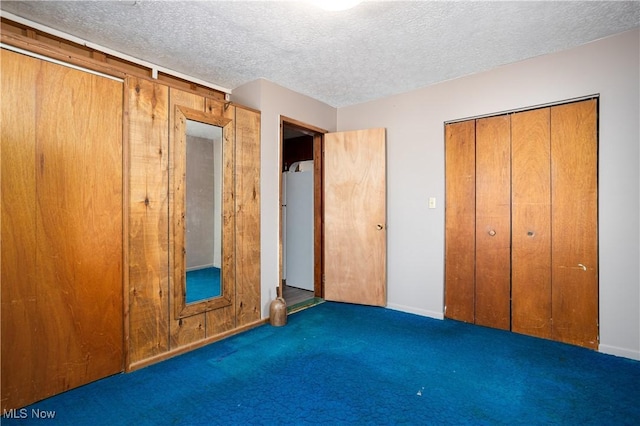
(492, 232)
(379, 226)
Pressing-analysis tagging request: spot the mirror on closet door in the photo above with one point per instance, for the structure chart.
(203, 221)
(199, 182)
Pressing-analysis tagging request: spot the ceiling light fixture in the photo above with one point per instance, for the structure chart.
(335, 5)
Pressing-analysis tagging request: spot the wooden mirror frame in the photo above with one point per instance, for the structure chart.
(178, 154)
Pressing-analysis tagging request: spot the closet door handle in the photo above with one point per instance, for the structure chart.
(492, 232)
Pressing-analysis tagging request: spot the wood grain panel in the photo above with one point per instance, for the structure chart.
(355, 217)
(178, 212)
(18, 229)
(247, 184)
(79, 220)
(460, 220)
(148, 219)
(531, 223)
(73, 321)
(153, 166)
(220, 320)
(493, 222)
(223, 319)
(218, 108)
(574, 223)
(188, 330)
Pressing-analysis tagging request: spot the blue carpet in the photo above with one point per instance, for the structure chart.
(203, 284)
(347, 364)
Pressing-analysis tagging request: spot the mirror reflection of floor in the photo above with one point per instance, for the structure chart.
(203, 284)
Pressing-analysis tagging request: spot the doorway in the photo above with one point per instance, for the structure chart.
(301, 242)
(346, 225)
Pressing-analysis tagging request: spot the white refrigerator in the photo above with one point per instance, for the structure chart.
(297, 217)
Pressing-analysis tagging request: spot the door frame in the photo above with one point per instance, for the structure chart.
(318, 205)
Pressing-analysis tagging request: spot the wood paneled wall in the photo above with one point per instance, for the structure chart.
(247, 183)
(147, 107)
(132, 164)
(154, 330)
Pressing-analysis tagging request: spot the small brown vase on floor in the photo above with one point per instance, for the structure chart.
(278, 312)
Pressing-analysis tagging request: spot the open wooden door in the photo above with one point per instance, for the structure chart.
(355, 217)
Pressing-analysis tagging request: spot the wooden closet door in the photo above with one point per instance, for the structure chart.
(460, 220)
(531, 223)
(535, 243)
(79, 256)
(493, 222)
(71, 331)
(20, 345)
(574, 247)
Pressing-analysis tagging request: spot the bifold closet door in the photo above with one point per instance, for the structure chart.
(460, 220)
(535, 244)
(574, 247)
(531, 223)
(477, 222)
(493, 222)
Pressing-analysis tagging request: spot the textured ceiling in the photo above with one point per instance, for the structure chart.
(377, 49)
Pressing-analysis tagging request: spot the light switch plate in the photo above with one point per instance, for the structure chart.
(432, 202)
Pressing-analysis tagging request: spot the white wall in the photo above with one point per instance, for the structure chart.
(273, 101)
(415, 171)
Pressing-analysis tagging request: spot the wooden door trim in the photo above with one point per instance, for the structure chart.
(318, 219)
(318, 216)
(300, 125)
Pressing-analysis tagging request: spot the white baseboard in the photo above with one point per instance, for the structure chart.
(412, 310)
(606, 349)
(623, 352)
